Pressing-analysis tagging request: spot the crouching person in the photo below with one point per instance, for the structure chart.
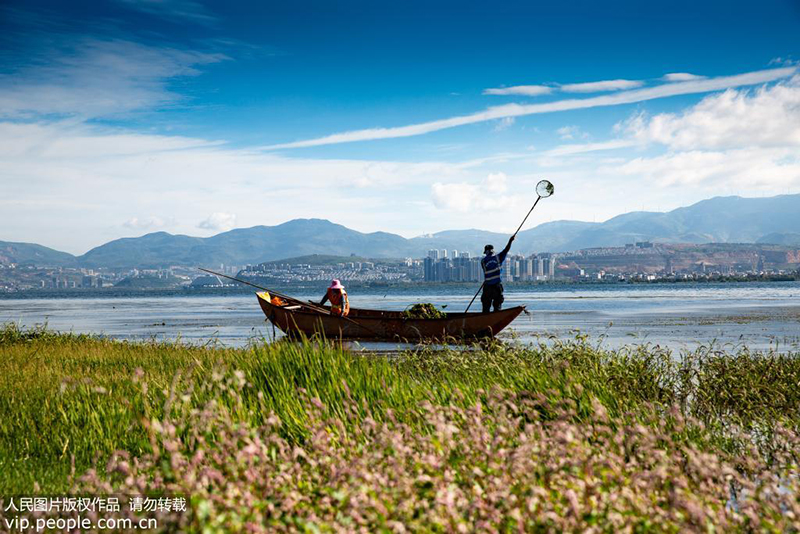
(340, 304)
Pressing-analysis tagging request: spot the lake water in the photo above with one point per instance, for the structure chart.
(760, 316)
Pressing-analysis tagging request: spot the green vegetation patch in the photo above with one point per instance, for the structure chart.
(308, 436)
(424, 310)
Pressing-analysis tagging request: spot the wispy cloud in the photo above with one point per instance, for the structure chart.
(749, 170)
(571, 132)
(518, 110)
(73, 185)
(524, 90)
(602, 86)
(768, 117)
(504, 124)
(218, 222)
(91, 78)
(681, 77)
(743, 140)
(582, 148)
(784, 61)
(178, 10)
(145, 223)
(587, 87)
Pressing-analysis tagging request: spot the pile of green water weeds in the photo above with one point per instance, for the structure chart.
(424, 310)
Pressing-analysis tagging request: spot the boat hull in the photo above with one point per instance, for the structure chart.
(385, 325)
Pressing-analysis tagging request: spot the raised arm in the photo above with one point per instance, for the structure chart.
(502, 256)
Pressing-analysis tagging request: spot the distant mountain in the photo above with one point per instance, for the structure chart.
(717, 220)
(789, 239)
(552, 236)
(31, 253)
(158, 249)
(298, 237)
(471, 241)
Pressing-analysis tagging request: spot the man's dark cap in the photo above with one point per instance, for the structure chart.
(488, 248)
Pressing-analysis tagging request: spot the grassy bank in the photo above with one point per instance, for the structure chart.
(291, 435)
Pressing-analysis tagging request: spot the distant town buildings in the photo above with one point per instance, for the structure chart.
(404, 271)
(639, 262)
(460, 267)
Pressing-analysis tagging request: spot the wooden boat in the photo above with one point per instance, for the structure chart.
(297, 319)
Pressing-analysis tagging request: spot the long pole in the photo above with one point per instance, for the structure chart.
(309, 305)
(538, 198)
(273, 292)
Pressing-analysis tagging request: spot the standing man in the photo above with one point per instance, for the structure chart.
(492, 286)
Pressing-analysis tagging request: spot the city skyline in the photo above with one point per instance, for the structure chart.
(121, 118)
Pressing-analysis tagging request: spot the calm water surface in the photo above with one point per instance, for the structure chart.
(680, 316)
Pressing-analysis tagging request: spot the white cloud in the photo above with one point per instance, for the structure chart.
(464, 197)
(767, 117)
(220, 222)
(681, 77)
(603, 86)
(523, 90)
(736, 142)
(73, 186)
(517, 110)
(97, 78)
(145, 223)
(784, 61)
(504, 124)
(496, 183)
(571, 149)
(748, 171)
(571, 132)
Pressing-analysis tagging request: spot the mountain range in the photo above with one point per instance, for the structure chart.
(717, 220)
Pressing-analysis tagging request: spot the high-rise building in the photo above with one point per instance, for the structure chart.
(506, 275)
(549, 267)
(539, 266)
(528, 269)
(444, 253)
(457, 272)
(433, 254)
(475, 270)
(442, 271)
(428, 269)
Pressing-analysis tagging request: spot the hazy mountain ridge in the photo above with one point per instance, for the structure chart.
(720, 219)
(31, 253)
(791, 239)
(299, 237)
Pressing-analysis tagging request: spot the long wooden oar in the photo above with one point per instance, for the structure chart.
(314, 307)
(271, 292)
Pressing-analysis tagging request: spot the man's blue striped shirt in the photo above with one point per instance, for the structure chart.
(492, 270)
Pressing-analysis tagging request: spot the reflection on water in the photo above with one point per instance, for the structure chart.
(680, 316)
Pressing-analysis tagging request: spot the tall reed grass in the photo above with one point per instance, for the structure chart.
(292, 436)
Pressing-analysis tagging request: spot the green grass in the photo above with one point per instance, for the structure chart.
(68, 399)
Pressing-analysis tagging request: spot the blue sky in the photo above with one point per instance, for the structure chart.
(124, 117)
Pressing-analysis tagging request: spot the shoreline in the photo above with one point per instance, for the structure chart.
(236, 289)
